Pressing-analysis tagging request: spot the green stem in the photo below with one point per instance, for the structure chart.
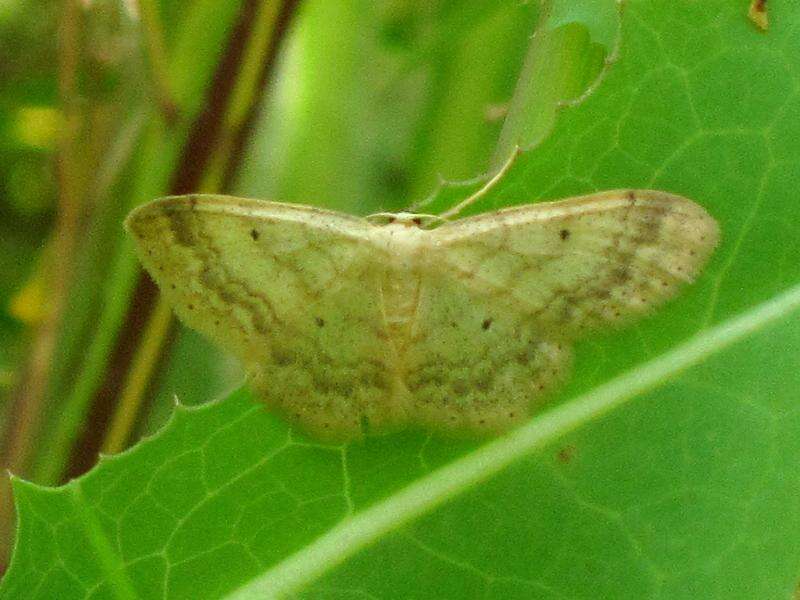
(153, 34)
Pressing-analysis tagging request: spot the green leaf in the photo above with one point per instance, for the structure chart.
(665, 469)
(226, 493)
(566, 57)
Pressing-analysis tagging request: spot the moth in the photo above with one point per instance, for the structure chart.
(353, 325)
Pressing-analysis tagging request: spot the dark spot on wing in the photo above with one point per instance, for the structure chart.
(486, 323)
(320, 322)
(282, 356)
(254, 234)
(621, 274)
(417, 220)
(564, 234)
(183, 226)
(376, 378)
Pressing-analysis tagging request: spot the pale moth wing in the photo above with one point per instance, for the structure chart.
(504, 294)
(350, 325)
(580, 263)
(293, 292)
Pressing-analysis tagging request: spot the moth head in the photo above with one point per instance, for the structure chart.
(406, 219)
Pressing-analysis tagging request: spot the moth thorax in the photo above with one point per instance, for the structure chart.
(400, 295)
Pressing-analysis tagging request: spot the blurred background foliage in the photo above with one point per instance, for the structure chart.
(106, 104)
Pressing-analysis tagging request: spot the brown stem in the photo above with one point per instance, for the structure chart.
(208, 161)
